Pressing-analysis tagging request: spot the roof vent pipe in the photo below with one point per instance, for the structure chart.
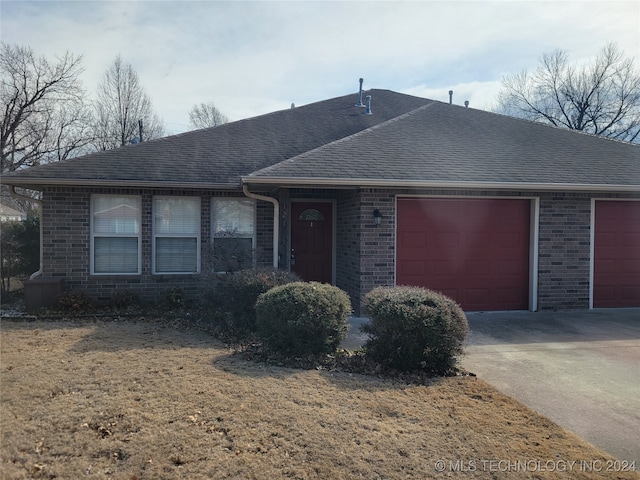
(360, 104)
(368, 111)
(466, 104)
(450, 97)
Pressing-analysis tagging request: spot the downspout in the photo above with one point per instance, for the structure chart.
(276, 220)
(12, 191)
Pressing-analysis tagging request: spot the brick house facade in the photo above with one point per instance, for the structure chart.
(365, 254)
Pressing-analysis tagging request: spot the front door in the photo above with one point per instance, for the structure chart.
(312, 240)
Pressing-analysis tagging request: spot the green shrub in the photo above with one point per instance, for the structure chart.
(303, 318)
(240, 291)
(414, 329)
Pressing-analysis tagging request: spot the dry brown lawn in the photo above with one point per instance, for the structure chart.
(140, 400)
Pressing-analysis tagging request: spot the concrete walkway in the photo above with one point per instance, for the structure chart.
(581, 369)
(355, 338)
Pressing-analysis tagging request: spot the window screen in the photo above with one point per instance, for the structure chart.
(115, 234)
(176, 234)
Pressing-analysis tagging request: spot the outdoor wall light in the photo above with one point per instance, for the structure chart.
(377, 217)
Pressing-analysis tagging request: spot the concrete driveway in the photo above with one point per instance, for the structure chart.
(580, 369)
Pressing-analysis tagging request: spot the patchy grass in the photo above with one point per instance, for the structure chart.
(139, 400)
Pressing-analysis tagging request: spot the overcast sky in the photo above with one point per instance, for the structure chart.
(251, 58)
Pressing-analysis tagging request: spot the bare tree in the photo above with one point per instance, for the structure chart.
(602, 97)
(44, 114)
(121, 105)
(206, 115)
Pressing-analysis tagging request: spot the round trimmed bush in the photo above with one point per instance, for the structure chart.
(414, 329)
(303, 318)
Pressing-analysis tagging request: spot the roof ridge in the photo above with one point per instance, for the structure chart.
(254, 117)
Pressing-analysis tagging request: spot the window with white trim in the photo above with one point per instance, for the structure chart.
(176, 234)
(233, 233)
(115, 234)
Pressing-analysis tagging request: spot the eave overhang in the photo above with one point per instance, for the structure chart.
(390, 183)
(290, 182)
(38, 184)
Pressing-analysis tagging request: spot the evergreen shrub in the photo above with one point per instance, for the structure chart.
(414, 329)
(303, 318)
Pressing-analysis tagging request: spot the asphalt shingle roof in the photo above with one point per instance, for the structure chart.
(219, 156)
(407, 141)
(446, 144)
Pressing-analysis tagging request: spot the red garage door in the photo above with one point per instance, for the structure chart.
(616, 255)
(473, 250)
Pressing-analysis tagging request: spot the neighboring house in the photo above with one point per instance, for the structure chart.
(10, 214)
(497, 212)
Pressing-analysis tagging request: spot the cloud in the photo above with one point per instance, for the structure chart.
(254, 57)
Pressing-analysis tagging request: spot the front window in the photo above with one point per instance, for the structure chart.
(176, 234)
(233, 233)
(115, 234)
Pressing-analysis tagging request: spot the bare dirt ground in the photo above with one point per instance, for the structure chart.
(140, 400)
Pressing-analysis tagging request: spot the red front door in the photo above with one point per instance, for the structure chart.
(312, 240)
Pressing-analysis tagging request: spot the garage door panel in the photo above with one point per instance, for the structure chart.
(630, 239)
(444, 268)
(476, 250)
(479, 268)
(507, 268)
(414, 239)
(508, 240)
(477, 296)
(631, 267)
(616, 259)
(412, 269)
(479, 238)
(508, 294)
(449, 292)
(606, 296)
(448, 239)
(608, 259)
(605, 240)
(630, 292)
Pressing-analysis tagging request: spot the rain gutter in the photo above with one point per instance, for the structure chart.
(365, 182)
